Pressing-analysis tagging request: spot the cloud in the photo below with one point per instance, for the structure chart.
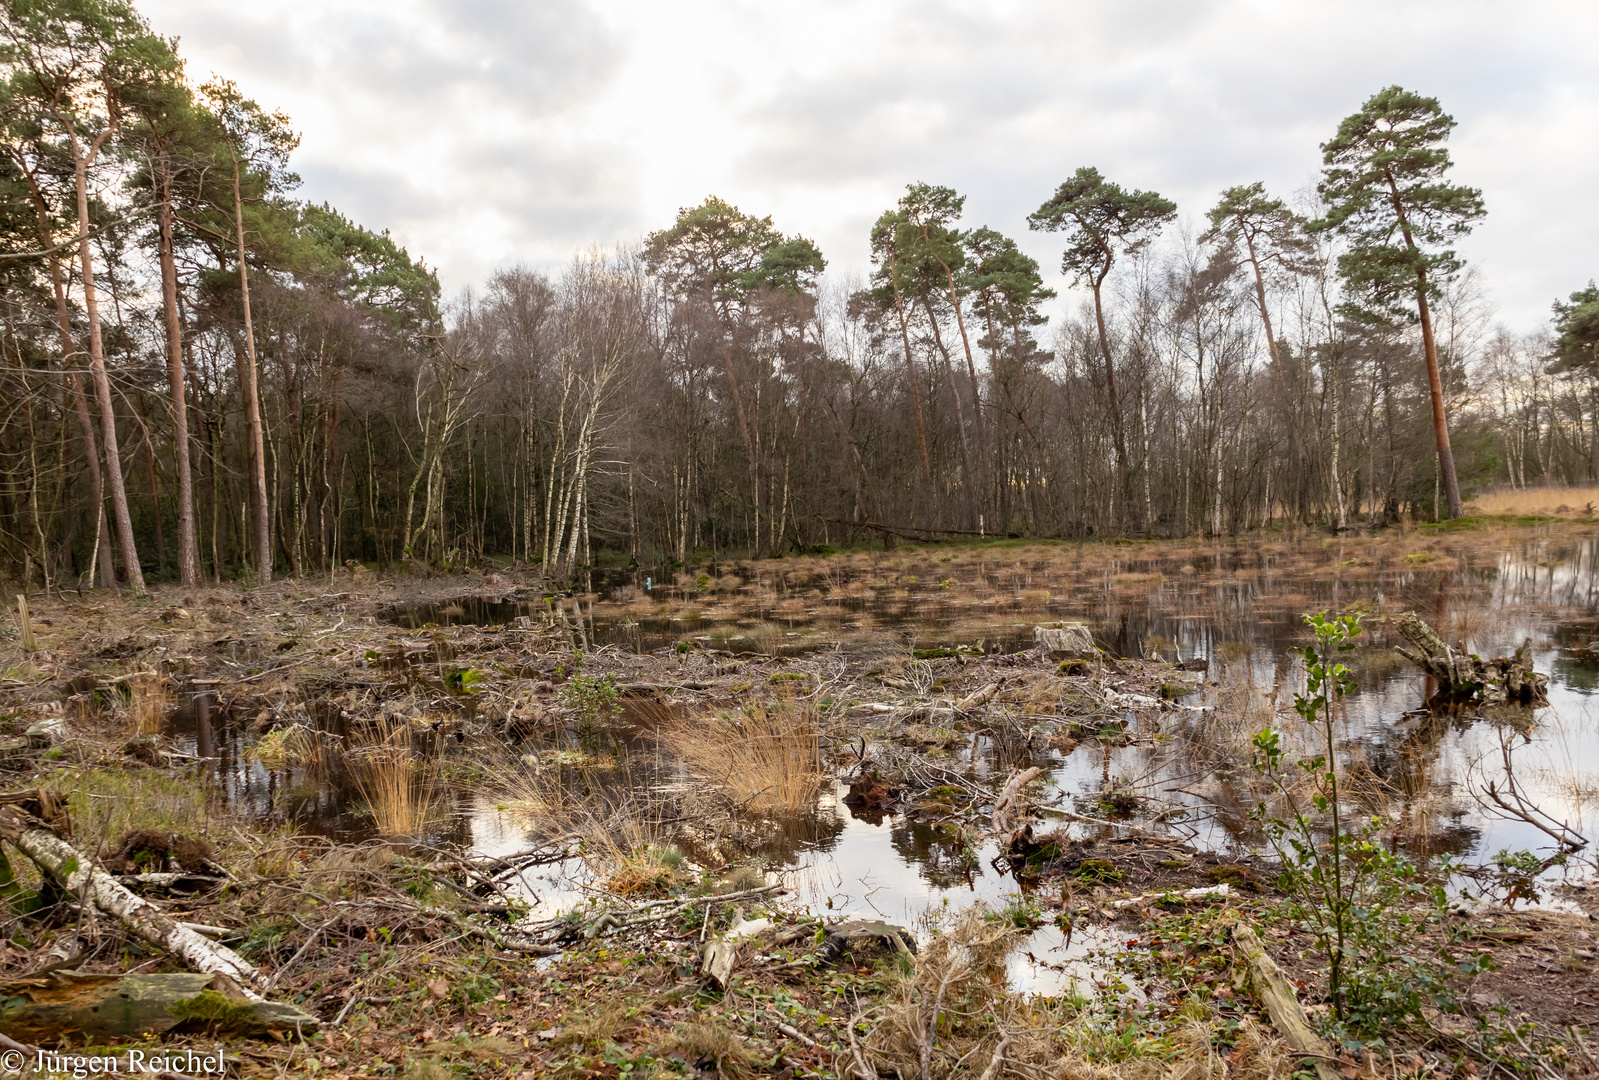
(487, 132)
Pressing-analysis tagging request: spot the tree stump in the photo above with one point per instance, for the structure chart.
(1465, 678)
(1064, 641)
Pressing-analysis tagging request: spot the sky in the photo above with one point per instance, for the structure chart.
(488, 133)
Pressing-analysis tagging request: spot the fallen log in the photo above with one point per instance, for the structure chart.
(1274, 992)
(74, 872)
(1465, 678)
(978, 698)
(96, 1006)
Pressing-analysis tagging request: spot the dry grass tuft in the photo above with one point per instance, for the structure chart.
(398, 784)
(721, 1050)
(955, 1016)
(626, 841)
(149, 704)
(1545, 501)
(768, 760)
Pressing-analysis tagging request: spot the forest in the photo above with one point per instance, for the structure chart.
(206, 378)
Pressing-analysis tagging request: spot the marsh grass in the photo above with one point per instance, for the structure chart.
(766, 760)
(399, 785)
(624, 829)
(106, 804)
(1572, 502)
(149, 704)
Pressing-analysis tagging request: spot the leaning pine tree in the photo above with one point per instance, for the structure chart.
(1384, 185)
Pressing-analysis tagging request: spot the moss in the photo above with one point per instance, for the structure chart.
(211, 1007)
(1074, 666)
(940, 653)
(1098, 872)
(1239, 877)
(1173, 691)
(1472, 522)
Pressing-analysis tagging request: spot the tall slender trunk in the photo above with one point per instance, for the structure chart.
(260, 513)
(968, 481)
(1337, 480)
(910, 369)
(977, 397)
(188, 540)
(1435, 383)
(101, 556)
(1260, 292)
(1123, 477)
(97, 370)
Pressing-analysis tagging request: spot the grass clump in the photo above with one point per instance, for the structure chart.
(149, 704)
(109, 803)
(766, 760)
(398, 784)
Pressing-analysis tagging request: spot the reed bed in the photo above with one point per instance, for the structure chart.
(1544, 501)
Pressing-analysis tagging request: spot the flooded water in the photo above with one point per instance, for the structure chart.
(1236, 609)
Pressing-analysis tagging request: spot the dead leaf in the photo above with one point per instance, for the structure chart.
(439, 989)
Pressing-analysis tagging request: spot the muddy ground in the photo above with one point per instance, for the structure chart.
(415, 962)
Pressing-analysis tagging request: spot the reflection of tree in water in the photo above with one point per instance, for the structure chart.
(938, 851)
(782, 840)
(1406, 771)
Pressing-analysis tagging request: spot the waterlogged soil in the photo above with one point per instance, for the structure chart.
(1145, 788)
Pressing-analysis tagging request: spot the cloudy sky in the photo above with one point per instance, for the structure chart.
(489, 132)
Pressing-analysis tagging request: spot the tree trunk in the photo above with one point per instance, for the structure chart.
(1440, 424)
(188, 538)
(101, 556)
(910, 370)
(1123, 477)
(260, 513)
(102, 382)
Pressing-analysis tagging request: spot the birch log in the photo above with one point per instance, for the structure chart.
(76, 873)
(1281, 1004)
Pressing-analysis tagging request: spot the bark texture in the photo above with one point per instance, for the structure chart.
(42, 1008)
(1274, 992)
(1464, 678)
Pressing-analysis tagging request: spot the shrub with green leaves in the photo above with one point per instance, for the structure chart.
(1362, 903)
(594, 699)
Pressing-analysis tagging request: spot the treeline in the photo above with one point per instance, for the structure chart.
(205, 378)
